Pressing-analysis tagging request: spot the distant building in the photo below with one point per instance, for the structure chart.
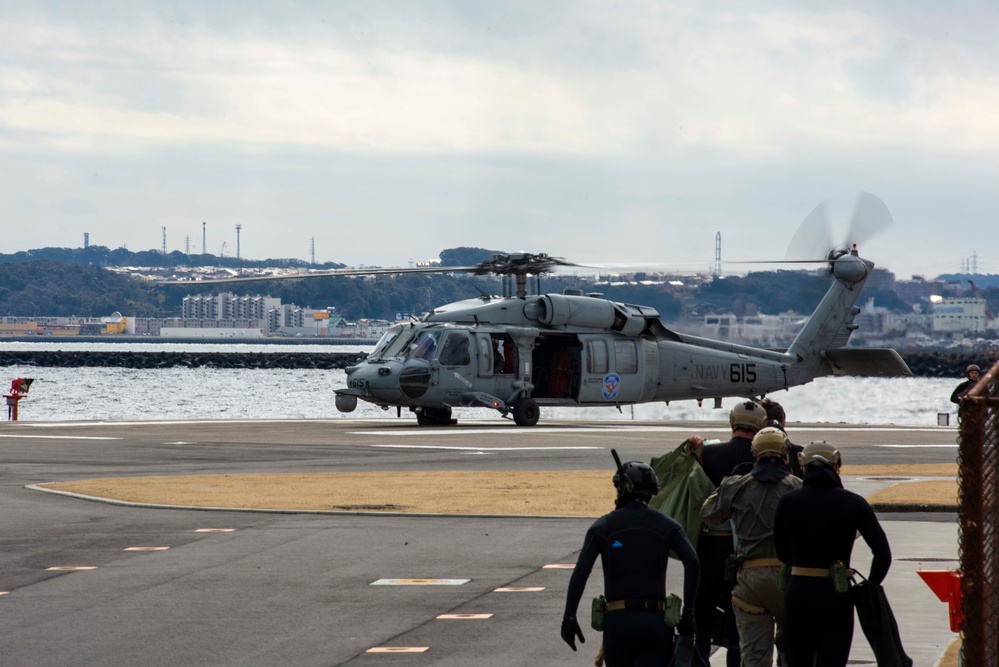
(959, 316)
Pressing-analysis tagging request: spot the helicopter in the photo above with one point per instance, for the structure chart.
(519, 352)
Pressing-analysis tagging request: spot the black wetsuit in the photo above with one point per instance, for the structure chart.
(961, 390)
(816, 526)
(718, 462)
(633, 543)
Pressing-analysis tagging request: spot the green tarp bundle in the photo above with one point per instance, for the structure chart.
(683, 488)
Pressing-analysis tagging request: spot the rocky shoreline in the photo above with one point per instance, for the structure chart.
(922, 363)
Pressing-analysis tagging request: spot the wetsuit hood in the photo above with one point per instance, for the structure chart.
(818, 473)
(770, 470)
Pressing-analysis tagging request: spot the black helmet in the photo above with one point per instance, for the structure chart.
(636, 480)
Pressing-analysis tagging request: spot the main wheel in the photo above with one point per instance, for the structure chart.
(526, 412)
(434, 416)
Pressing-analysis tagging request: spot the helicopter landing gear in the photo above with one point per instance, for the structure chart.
(434, 416)
(526, 412)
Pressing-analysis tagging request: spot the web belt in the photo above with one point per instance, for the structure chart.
(761, 562)
(639, 605)
(816, 572)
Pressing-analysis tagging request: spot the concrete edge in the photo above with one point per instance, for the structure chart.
(127, 503)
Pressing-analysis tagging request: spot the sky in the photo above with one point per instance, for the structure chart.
(606, 133)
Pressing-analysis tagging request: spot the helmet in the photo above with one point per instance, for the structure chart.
(972, 367)
(770, 441)
(748, 415)
(819, 451)
(636, 479)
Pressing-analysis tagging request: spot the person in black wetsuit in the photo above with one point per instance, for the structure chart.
(634, 543)
(714, 545)
(815, 527)
(973, 371)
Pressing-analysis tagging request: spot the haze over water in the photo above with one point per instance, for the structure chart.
(124, 394)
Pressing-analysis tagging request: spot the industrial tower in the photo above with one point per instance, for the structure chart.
(238, 228)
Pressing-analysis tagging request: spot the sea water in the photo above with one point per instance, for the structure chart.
(123, 394)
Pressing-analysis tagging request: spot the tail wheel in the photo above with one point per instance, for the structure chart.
(526, 412)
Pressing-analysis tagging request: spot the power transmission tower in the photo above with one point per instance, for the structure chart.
(717, 254)
(312, 251)
(204, 238)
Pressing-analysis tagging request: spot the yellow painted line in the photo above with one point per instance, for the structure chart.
(560, 566)
(215, 530)
(146, 548)
(71, 568)
(519, 589)
(419, 582)
(398, 649)
(465, 616)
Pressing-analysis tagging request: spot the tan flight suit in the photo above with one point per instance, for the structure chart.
(756, 600)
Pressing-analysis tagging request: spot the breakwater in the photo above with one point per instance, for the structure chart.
(124, 359)
(922, 363)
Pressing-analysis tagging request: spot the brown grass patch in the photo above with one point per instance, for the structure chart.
(515, 492)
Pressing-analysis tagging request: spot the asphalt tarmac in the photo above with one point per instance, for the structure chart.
(195, 587)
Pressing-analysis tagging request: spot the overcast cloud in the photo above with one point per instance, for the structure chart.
(600, 132)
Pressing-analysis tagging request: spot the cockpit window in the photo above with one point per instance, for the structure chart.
(424, 345)
(392, 342)
(455, 350)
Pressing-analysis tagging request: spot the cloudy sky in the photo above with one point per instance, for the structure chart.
(612, 132)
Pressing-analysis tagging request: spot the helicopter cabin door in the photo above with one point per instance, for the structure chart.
(612, 370)
(455, 373)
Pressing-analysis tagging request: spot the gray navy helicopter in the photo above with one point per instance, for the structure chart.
(518, 352)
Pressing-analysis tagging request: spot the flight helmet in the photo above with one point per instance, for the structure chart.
(770, 442)
(821, 452)
(636, 480)
(748, 416)
(972, 367)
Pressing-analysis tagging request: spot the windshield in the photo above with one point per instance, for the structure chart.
(391, 343)
(424, 345)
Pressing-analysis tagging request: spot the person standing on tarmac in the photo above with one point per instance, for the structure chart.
(777, 417)
(714, 545)
(634, 544)
(751, 502)
(814, 530)
(973, 371)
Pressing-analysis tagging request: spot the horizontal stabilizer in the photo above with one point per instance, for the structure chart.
(868, 362)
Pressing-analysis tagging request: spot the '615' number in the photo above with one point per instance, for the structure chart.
(742, 373)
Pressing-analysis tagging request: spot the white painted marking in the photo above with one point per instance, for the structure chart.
(215, 530)
(954, 446)
(146, 548)
(60, 437)
(519, 589)
(560, 566)
(398, 649)
(71, 568)
(465, 616)
(4, 592)
(482, 450)
(420, 582)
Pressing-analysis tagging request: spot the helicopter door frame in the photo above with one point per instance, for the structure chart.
(613, 369)
(453, 365)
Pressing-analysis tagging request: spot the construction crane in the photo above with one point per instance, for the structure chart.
(988, 313)
(222, 251)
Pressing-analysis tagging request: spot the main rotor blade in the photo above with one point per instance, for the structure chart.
(813, 238)
(318, 274)
(870, 218)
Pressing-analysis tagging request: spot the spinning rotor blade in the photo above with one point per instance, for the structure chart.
(870, 218)
(813, 238)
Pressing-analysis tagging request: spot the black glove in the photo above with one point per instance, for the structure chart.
(571, 630)
(686, 625)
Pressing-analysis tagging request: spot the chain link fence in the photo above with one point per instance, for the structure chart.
(978, 515)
